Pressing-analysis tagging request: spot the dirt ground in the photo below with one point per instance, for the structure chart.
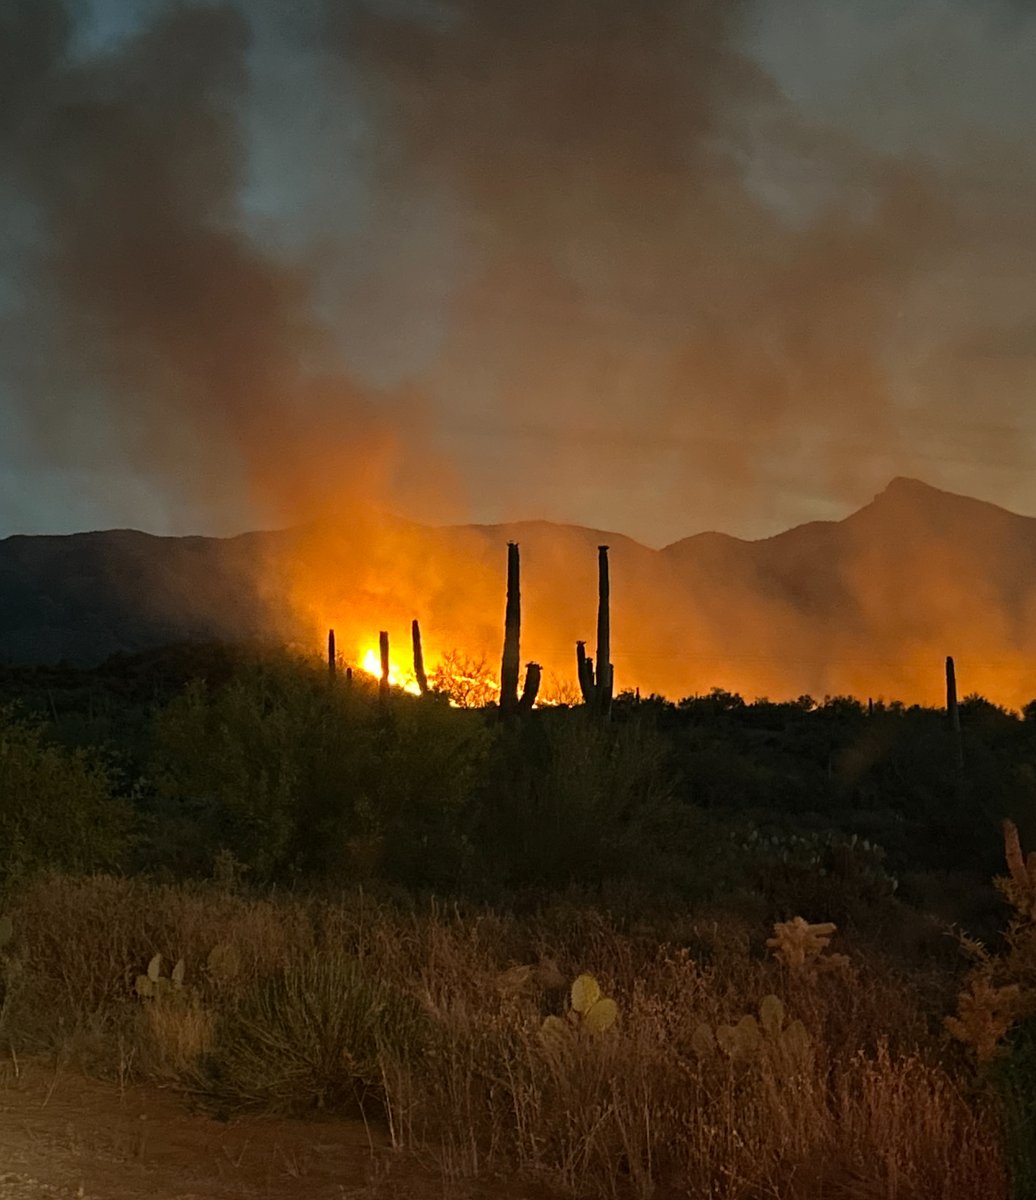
(63, 1136)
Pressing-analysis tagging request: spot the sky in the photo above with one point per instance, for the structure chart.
(655, 268)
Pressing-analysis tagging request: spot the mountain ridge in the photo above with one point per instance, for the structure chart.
(869, 604)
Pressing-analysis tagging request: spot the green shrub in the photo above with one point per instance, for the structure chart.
(296, 778)
(58, 808)
(238, 767)
(817, 872)
(568, 799)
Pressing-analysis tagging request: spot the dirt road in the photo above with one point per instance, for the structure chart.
(65, 1136)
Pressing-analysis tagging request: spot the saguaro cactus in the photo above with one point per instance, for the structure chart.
(419, 673)
(604, 662)
(953, 711)
(383, 682)
(332, 663)
(509, 667)
(597, 686)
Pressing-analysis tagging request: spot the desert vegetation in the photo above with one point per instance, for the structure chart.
(711, 948)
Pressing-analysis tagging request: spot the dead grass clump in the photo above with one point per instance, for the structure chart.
(313, 1035)
(906, 1125)
(178, 1035)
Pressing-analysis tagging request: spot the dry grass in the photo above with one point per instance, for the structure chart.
(90, 937)
(179, 1034)
(868, 1109)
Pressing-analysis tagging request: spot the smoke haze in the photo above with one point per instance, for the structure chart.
(659, 268)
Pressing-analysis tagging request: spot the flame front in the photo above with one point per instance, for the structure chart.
(370, 662)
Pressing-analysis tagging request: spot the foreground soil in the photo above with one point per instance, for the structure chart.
(62, 1135)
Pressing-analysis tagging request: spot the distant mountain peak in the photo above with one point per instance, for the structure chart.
(910, 503)
(903, 485)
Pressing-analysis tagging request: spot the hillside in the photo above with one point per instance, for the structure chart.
(868, 605)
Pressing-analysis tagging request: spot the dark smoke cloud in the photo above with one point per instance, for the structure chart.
(152, 327)
(656, 266)
(640, 330)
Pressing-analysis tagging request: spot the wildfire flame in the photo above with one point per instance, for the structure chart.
(370, 662)
(468, 683)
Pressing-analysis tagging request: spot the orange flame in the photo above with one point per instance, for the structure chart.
(370, 663)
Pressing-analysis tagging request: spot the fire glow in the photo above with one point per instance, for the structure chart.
(869, 606)
(370, 664)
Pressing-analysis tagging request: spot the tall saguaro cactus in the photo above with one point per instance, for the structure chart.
(953, 711)
(596, 687)
(383, 682)
(332, 661)
(604, 661)
(510, 665)
(419, 672)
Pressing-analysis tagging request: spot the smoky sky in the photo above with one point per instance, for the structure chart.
(658, 267)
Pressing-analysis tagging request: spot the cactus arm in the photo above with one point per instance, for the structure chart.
(533, 676)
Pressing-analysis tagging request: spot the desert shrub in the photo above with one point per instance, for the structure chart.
(10, 969)
(467, 682)
(996, 1012)
(570, 799)
(317, 1033)
(414, 803)
(814, 871)
(58, 807)
(1013, 1078)
(296, 778)
(243, 767)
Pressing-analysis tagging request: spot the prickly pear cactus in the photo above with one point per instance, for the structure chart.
(595, 1012)
(591, 1012)
(785, 1045)
(555, 1034)
(515, 981)
(742, 1041)
(771, 1015)
(154, 984)
(703, 1042)
(788, 1043)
